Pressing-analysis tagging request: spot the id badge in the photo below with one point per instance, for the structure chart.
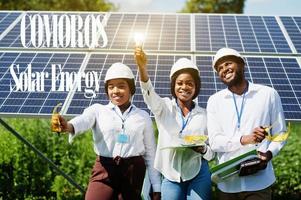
(123, 138)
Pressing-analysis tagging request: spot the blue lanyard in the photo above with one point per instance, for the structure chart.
(184, 122)
(123, 119)
(239, 114)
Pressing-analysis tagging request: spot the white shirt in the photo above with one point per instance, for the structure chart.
(175, 164)
(106, 124)
(262, 107)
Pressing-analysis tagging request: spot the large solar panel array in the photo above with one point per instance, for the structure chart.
(271, 45)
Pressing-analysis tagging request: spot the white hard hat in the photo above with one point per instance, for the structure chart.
(119, 70)
(223, 52)
(183, 63)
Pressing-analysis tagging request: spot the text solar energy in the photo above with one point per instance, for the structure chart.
(66, 57)
(38, 94)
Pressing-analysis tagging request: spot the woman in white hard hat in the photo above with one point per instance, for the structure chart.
(123, 141)
(185, 170)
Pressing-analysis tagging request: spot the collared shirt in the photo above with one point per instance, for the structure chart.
(175, 164)
(262, 107)
(106, 124)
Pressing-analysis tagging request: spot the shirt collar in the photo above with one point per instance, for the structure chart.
(252, 88)
(196, 109)
(111, 106)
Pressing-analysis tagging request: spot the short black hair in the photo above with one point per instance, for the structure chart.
(195, 75)
(130, 82)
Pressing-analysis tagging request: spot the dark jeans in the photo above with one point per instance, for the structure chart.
(118, 178)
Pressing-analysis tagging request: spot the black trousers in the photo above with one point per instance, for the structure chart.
(118, 178)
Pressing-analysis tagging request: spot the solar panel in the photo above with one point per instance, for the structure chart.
(293, 27)
(12, 39)
(26, 102)
(158, 67)
(98, 63)
(270, 44)
(168, 32)
(243, 33)
(281, 73)
(6, 19)
(172, 32)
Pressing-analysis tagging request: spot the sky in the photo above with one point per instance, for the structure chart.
(252, 7)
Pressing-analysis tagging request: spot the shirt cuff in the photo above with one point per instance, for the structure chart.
(209, 154)
(156, 187)
(72, 135)
(236, 141)
(274, 149)
(146, 85)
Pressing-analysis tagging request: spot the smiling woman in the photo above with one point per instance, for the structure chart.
(123, 137)
(185, 170)
(120, 85)
(118, 91)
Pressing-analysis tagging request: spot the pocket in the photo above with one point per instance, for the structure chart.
(98, 172)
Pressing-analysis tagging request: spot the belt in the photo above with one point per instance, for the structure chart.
(119, 160)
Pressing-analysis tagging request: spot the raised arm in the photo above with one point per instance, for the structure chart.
(154, 102)
(141, 61)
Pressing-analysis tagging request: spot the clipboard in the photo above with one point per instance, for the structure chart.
(221, 172)
(183, 146)
(177, 142)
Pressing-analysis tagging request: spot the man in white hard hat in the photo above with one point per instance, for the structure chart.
(185, 170)
(123, 141)
(237, 117)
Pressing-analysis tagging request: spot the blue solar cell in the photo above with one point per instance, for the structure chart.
(6, 19)
(276, 34)
(263, 38)
(121, 29)
(202, 33)
(293, 27)
(247, 34)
